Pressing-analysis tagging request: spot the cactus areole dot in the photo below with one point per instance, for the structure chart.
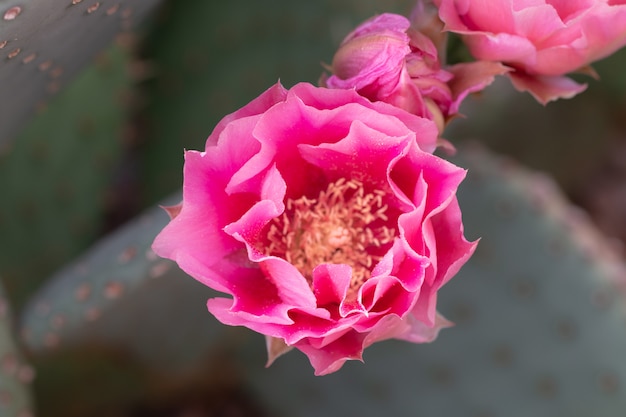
(12, 13)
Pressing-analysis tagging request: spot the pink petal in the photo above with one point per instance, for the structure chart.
(605, 31)
(546, 88)
(502, 47)
(364, 150)
(191, 238)
(568, 9)
(319, 325)
(495, 16)
(453, 250)
(388, 327)
(425, 310)
(472, 77)
(291, 286)
(558, 60)
(536, 23)
(406, 172)
(419, 332)
(332, 357)
(384, 22)
(248, 227)
(348, 106)
(271, 323)
(267, 99)
(408, 96)
(331, 283)
(387, 295)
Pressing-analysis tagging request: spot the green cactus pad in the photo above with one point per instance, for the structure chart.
(121, 295)
(15, 374)
(56, 180)
(540, 328)
(45, 43)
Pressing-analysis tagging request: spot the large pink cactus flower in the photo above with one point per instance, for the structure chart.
(541, 39)
(387, 58)
(326, 218)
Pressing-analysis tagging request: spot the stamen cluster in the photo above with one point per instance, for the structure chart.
(343, 225)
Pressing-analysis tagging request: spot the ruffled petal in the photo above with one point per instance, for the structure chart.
(472, 77)
(546, 88)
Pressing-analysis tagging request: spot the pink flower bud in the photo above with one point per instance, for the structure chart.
(387, 59)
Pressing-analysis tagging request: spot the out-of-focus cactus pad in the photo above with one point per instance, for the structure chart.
(15, 374)
(55, 182)
(121, 295)
(44, 43)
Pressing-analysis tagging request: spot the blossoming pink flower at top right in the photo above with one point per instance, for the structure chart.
(541, 39)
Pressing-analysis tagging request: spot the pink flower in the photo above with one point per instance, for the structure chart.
(541, 39)
(326, 218)
(388, 59)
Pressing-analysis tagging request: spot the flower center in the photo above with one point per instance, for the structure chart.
(343, 225)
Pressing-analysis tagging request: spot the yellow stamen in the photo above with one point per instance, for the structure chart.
(341, 226)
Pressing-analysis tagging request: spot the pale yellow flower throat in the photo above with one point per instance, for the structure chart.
(337, 227)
